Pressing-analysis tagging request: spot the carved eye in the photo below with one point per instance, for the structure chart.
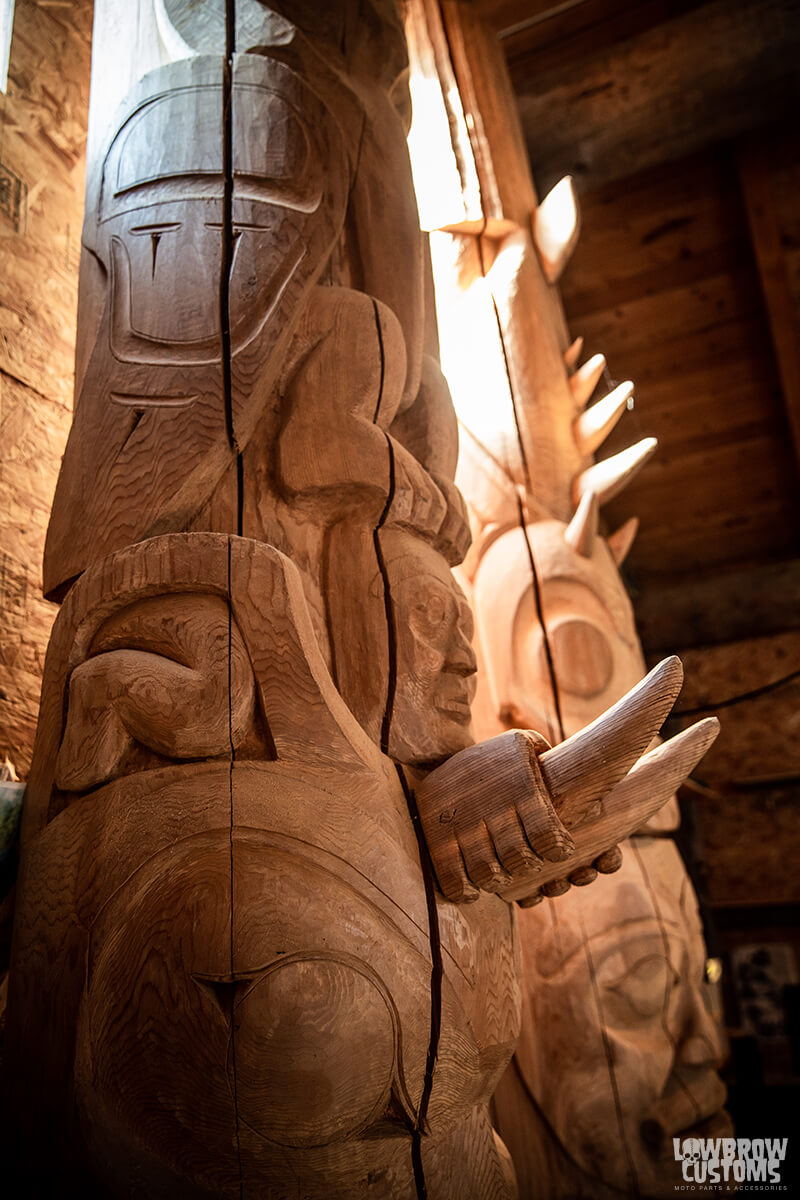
(646, 985)
(581, 656)
(429, 614)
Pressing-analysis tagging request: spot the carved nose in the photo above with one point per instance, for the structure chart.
(698, 1051)
(461, 659)
(701, 1044)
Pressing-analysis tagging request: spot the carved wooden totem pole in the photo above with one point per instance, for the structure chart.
(233, 972)
(618, 1052)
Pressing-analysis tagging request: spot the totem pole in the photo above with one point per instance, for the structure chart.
(233, 971)
(618, 1052)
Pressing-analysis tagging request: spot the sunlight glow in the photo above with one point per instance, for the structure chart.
(6, 26)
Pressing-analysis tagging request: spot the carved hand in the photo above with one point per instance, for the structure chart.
(514, 816)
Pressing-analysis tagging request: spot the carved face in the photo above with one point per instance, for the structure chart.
(591, 635)
(435, 662)
(160, 215)
(631, 1051)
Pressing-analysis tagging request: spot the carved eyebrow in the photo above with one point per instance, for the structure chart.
(634, 929)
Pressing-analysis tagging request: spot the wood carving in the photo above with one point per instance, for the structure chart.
(617, 1053)
(233, 973)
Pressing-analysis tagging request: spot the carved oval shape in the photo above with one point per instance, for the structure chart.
(315, 1045)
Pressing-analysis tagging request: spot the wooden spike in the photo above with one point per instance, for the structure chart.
(644, 790)
(573, 353)
(582, 769)
(594, 425)
(581, 532)
(609, 477)
(586, 378)
(556, 225)
(620, 542)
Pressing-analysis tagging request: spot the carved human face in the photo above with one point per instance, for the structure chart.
(631, 1050)
(435, 662)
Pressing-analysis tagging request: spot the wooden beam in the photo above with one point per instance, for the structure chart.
(719, 607)
(765, 235)
(704, 77)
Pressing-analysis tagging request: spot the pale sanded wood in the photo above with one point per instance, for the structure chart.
(584, 380)
(638, 987)
(502, 808)
(593, 426)
(556, 228)
(608, 477)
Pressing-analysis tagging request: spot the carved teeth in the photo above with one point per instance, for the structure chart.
(556, 225)
(609, 477)
(586, 378)
(573, 353)
(582, 769)
(620, 542)
(593, 426)
(581, 532)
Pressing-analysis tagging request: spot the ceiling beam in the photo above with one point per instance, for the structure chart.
(765, 236)
(704, 77)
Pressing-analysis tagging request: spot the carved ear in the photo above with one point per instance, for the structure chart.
(620, 542)
(581, 532)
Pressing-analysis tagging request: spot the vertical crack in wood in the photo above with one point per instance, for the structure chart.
(232, 951)
(391, 632)
(228, 239)
(228, 243)
(381, 351)
(537, 591)
(437, 972)
(426, 866)
(548, 651)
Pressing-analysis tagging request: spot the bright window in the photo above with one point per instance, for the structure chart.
(6, 25)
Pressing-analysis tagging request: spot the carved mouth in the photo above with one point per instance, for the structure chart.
(455, 709)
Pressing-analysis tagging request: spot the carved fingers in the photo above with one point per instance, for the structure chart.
(488, 818)
(514, 816)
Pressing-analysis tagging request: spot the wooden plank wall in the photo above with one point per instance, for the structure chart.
(42, 137)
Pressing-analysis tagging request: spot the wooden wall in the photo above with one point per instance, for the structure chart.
(42, 138)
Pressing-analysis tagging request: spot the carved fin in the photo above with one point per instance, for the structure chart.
(556, 225)
(582, 769)
(586, 378)
(581, 532)
(593, 426)
(609, 477)
(620, 542)
(573, 353)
